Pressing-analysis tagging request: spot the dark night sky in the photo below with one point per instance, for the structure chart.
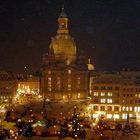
(106, 30)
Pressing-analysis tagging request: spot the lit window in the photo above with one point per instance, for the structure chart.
(69, 95)
(102, 93)
(102, 100)
(95, 94)
(127, 108)
(78, 82)
(130, 108)
(124, 116)
(109, 116)
(95, 115)
(49, 89)
(49, 78)
(79, 95)
(69, 87)
(69, 71)
(109, 100)
(109, 94)
(116, 116)
(123, 108)
(135, 109)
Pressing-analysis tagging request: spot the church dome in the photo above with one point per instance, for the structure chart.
(64, 48)
(62, 45)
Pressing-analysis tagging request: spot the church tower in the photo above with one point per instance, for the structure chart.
(62, 23)
(63, 45)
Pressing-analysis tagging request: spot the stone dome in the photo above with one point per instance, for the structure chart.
(64, 48)
(62, 45)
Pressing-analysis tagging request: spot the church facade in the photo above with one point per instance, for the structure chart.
(64, 75)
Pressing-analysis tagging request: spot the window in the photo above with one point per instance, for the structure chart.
(116, 116)
(96, 88)
(102, 108)
(49, 89)
(96, 101)
(95, 108)
(109, 88)
(109, 116)
(69, 87)
(109, 108)
(130, 108)
(69, 71)
(102, 94)
(124, 116)
(109, 94)
(116, 108)
(78, 82)
(95, 115)
(102, 88)
(123, 108)
(109, 100)
(79, 95)
(49, 72)
(135, 109)
(95, 94)
(49, 78)
(102, 100)
(127, 108)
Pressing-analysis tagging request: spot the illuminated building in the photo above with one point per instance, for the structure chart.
(18, 88)
(27, 90)
(115, 95)
(7, 86)
(64, 75)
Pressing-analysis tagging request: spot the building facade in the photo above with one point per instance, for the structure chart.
(115, 95)
(7, 87)
(64, 75)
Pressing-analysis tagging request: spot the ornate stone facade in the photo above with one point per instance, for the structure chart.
(64, 75)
